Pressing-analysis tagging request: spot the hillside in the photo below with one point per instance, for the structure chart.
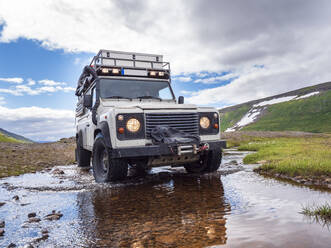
(6, 136)
(307, 109)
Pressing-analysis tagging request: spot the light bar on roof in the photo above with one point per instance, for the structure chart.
(132, 72)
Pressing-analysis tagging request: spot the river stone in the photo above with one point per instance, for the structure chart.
(28, 246)
(2, 224)
(234, 162)
(16, 198)
(44, 231)
(53, 216)
(11, 245)
(33, 214)
(2, 231)
(57, 171)
(33, 219)
(2, 203)
(44, 237)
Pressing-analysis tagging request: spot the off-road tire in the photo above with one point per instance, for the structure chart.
(208, 162)
(105, 168)
(214, 161)
(83, 156)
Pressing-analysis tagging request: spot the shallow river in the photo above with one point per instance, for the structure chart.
(232, 207)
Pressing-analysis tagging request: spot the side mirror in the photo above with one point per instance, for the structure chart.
(180, 100)
(88, 101)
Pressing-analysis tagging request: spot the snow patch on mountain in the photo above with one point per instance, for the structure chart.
(257, 109)
(307, 95)
(274, 101)
(248, 118)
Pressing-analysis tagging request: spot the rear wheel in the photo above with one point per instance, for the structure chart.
(105, 168)
(208, 162)
(83, 156)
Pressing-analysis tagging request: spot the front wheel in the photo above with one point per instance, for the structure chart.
(105, 168)
(208, 162)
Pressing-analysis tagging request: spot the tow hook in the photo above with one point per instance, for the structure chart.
(204, 147)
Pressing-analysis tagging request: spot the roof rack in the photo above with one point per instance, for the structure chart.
(142, 61)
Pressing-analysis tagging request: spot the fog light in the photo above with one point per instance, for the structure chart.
(105, 70)
(215, 115)
(121, 130)
(115, 71)
(216, 126)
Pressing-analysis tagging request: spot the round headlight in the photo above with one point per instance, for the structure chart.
(133, 125)
(204, 122)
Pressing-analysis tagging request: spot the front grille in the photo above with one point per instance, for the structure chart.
(186, 122)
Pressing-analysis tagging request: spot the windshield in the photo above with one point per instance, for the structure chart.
(131, 88)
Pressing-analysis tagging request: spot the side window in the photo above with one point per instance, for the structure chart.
(94, 96)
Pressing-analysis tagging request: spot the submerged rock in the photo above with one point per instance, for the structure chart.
(34, 219)
(28, 246)
(2, 224)
(2, 203)
(53, 216)
(16, 198)
(33, 214)
(11, 245)
(57, 171)
(38, 239)
(234, 162)
(2, 231)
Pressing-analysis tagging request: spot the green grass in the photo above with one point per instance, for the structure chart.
(229, 119)
(311, 114)
(299, 156)
(5, 138)
(322, 212)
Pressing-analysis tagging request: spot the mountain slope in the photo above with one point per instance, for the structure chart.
(6, 136)
(307, 109)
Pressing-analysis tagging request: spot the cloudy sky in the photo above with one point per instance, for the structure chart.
(221, 52)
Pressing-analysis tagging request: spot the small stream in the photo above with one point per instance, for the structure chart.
(232, 207)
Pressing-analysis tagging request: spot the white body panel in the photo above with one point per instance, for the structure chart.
(108, 109)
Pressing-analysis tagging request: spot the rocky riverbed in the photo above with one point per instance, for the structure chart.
(235, 207)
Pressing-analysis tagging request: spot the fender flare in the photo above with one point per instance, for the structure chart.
(103, 128)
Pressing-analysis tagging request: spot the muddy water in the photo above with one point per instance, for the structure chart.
(232, 207)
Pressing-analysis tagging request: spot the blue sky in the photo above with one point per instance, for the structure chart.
(221, 54)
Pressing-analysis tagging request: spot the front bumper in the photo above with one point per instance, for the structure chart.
(158, 150)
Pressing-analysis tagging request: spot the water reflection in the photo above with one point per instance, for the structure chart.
(188, 211)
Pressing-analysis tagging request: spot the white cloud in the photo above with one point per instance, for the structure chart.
(38, 123)
(50, 86)
(15, 80)
(31, 82)
(2, 100)
(186, 92)
(289, 37)
(183, 79)
(48, 82)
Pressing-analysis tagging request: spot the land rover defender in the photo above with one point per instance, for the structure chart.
(127, 116)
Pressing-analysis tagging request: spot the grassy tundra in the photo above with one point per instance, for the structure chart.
(18, 158)
(301, 157)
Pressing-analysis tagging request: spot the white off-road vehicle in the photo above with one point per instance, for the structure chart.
(127, 115)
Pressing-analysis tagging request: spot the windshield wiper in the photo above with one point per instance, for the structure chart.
(120, 97)
(149, 97)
